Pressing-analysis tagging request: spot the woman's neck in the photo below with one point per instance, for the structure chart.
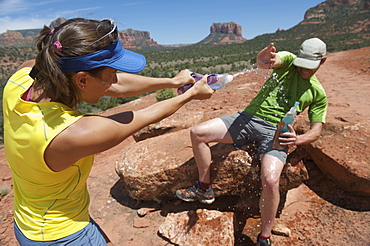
(34, 94)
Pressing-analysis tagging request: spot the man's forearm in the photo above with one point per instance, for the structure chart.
(312, 135)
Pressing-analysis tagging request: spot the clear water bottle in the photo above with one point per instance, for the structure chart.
(283, 126)
(215, 81)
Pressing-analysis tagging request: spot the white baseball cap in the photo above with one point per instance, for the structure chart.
(311, 53)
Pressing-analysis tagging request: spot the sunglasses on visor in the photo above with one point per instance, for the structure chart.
(114, 29)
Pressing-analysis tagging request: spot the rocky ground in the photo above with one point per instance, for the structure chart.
(318, 212)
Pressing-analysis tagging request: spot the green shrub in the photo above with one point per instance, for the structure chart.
(4, 190)
(164, 94)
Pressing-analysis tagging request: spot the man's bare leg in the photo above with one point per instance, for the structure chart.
(271, 168)
(201, 135)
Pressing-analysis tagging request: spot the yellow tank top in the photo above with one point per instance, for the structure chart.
(48, 205)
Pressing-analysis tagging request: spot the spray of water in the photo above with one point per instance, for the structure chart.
(277, 85)
(265, 72)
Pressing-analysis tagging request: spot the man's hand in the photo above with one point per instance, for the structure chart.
(267, 57)
(288, 138)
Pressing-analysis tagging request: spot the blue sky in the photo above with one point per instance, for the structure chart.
(169, 22)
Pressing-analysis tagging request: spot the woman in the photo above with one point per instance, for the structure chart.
(50, 146)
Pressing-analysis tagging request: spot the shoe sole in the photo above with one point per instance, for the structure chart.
(209, 201)
(205, 201)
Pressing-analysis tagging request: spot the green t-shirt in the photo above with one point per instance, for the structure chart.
(284, 87)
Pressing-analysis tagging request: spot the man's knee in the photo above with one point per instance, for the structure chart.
(195, 132)
(201, 132)
(270, 182)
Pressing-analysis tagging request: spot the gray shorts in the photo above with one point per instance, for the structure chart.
(246, 128)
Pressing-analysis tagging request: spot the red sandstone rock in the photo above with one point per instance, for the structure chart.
(201, 227)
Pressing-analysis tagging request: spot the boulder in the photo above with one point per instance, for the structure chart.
(155, 168)
(200, 227)
(340, 153)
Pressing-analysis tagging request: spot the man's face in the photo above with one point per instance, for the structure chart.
(307, 73)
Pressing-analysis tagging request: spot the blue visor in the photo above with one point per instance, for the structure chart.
(114, 56)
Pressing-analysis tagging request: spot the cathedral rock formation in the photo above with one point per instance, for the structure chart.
(224, 33)
(230, 27)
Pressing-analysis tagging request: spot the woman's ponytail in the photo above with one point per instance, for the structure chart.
(43, 37)
(47, 62)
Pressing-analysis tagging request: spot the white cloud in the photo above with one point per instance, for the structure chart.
(14, 20)
(7, 23)
(17, 6)
(11, 6)
(18, 14)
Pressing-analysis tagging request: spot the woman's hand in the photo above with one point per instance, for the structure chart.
(183, 78)
(201, 90)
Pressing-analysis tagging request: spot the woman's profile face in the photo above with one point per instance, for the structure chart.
(96, 86)
(108, 76)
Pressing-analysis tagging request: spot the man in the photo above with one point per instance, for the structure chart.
(293, 79)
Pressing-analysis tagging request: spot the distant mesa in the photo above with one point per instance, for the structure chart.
(10, 35)
(230, 27)
(15, 39)
(224, 33)
(133, 39)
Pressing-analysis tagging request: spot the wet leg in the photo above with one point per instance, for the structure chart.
(271, 168)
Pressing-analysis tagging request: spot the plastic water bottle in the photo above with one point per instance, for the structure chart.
(283, 126)
(215, 81)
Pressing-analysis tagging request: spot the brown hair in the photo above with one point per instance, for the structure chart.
(75, 36)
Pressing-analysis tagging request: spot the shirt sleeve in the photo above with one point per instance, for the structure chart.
(318, 108)
(287, 59)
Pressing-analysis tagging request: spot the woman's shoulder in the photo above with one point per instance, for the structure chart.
(21, 78)
(27, 64)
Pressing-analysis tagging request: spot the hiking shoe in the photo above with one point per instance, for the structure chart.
(266, 242)
(196, 193)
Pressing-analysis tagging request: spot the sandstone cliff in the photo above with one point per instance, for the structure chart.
(343, 24)
(14, 38)
(224, 33)
(230, 27)
(323, 10)
(133, 39)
